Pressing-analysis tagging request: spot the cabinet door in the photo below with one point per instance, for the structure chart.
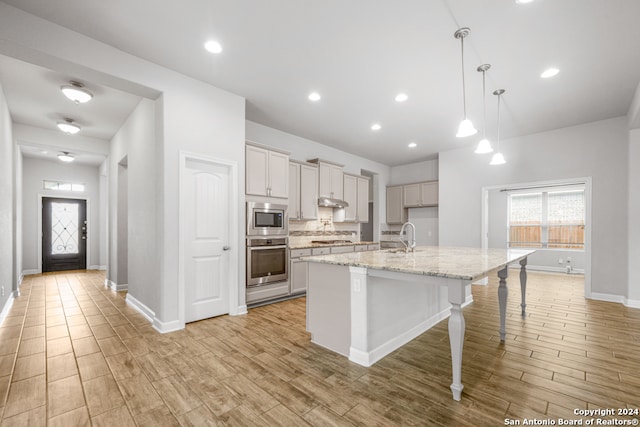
(336, 182)
(350, 193)
(411, 194)
(299, 276)
(256, 176)
(308, 192)
(278, 175)
(395, 207)
(324, 186)
(362, 211)
(429, 193)
(294, 191)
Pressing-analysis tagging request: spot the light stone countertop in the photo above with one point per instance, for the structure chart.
(438, 261)
(329, 245)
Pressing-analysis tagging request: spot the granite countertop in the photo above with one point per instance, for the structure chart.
(329, 245)
(449, 262)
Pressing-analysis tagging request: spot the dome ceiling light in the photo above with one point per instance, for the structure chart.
(76, 92)
(67, 157)
(68, 126)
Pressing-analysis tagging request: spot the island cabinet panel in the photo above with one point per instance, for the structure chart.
(267, 172)
(396, 213)
(303, 191)
(420, 194)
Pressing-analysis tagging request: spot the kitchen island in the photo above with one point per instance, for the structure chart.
(364, 305)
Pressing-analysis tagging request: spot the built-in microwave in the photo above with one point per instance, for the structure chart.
(267, 219)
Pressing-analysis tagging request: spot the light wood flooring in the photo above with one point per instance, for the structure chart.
(73, 353)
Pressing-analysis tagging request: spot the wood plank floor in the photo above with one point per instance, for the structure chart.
(73, 353)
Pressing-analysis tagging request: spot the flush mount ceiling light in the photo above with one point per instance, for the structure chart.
(401, 97)
(484, 146)
(549, 72)
(213, 46)
(498, 158)
(524, 1)
(466, 127)
(65, 156)
(75, 91)
(376, 126)
(67, 126)
(412, 145)
(314, 96)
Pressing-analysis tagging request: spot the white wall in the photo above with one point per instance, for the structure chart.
(103, 177)
(634, 214)
(598, 150)
(35, 171)
(17, 247)
(6, 203)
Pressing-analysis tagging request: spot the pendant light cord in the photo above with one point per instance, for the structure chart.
(484, 105)
(464, 98)
(499, 96)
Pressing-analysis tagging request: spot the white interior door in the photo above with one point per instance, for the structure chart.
(206, 237)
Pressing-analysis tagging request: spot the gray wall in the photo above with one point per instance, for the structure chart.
(34, 172)
(598, 150)
(634, 215)
(7, 231)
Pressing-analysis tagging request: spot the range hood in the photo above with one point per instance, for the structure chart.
(327, 202)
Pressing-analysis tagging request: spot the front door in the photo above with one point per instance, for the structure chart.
(206, 236)
(64, 234)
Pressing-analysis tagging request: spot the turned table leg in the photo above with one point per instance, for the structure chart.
(523, 285)
(503, 292)
(456, 336)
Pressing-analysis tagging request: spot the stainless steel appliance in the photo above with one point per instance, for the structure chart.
(267, 219)
(267, 260)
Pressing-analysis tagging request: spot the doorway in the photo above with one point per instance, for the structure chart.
(64, 234)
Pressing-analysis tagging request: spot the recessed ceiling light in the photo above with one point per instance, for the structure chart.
(549, 72)
(401, 97)
(67, 126)
(412, 145)
(65, 156)
(314, 96)
(75, 91)
(376, 126)
(213, 46)
(524, 1)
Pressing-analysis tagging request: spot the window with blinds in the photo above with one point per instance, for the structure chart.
(547, 219)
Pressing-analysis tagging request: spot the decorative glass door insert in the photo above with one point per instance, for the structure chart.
(64, 228)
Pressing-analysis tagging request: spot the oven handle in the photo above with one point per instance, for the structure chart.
(260, 248)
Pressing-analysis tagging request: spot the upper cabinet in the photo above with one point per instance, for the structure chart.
(420, 194)
(303, 191)
(396, 213)
(330, 179)
(267, 172)
(356, 193)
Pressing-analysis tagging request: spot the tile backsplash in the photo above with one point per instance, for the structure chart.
(303, 232)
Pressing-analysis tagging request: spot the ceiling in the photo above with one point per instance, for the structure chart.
(359, 54)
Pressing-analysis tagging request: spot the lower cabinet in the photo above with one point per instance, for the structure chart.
(298, 271)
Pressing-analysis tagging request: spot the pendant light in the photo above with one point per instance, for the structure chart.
(484, 146)
(466, 127)
(498, 158)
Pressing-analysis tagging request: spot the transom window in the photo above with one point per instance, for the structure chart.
(64, 186)
(547, 219)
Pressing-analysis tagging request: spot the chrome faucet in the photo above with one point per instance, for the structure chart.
(410, 244)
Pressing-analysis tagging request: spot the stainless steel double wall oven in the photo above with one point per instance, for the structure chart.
(267, 243)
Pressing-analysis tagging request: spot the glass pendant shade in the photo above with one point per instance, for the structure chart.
(497, 159)
(484, 146)
(466, 129)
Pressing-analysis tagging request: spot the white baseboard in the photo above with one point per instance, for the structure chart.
(615, 298)
(165, 327)
(114, 286)
(28, 273)
(102, 267)
(369, 358)
(146, 312)
(240, 310)
(633, 303)
(6, 308)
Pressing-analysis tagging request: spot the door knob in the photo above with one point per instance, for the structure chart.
(226, 248)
